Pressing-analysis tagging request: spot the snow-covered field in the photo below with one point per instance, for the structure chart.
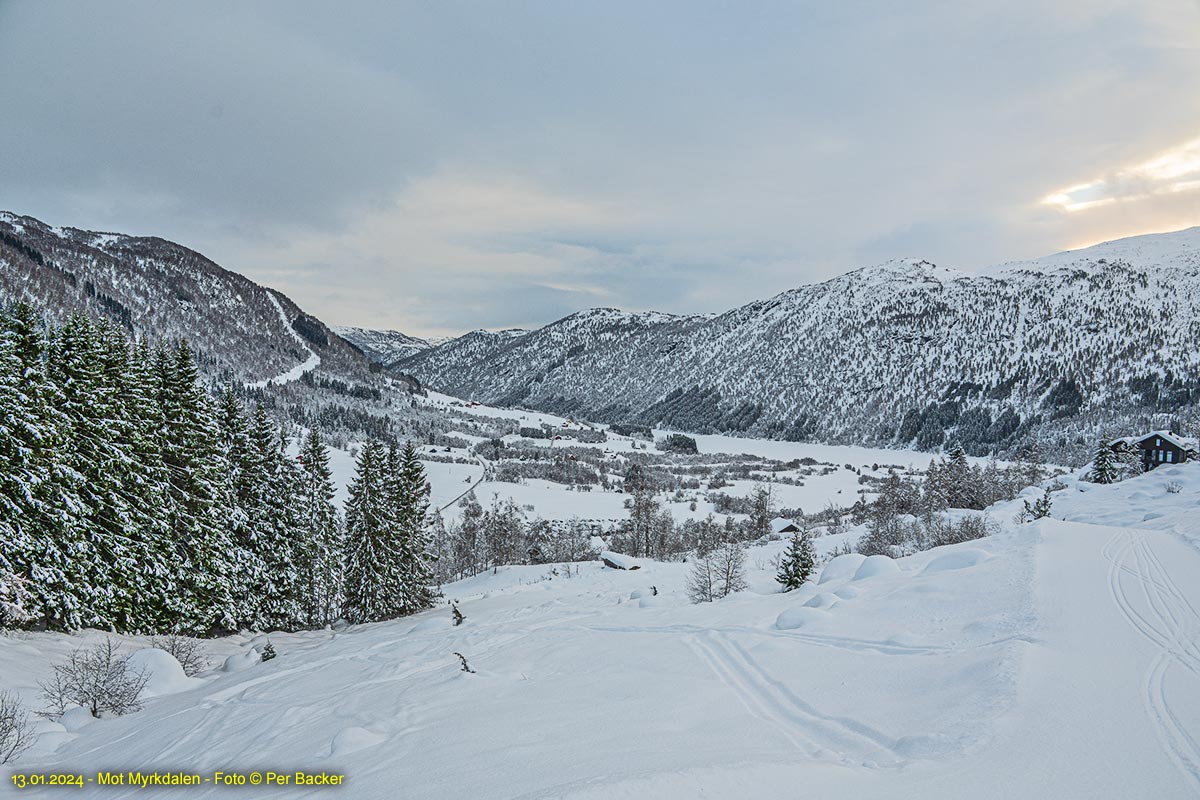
(1058, 659)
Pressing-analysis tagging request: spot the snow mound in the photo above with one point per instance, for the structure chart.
(847, 593)
(75, 718)
(822, 600)
(653, 601)
(164, 675)
(799, 617)
(638, 594)
(241, 661)
(842, 567)
(874, 566)
(351, 740)
(959, 559)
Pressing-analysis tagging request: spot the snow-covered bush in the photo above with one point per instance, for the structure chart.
(16, 734)
(187, 651)
(98, 679)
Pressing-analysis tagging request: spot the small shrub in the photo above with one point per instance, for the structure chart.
(1174, 487)
(187, 651)
(98, 679)
(16, 734)
(268, 651)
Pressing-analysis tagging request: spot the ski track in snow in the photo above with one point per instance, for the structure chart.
(293, 374)
(1171, 624)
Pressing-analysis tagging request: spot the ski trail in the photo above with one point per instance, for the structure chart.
(1171, 624)
(293, 374)
(770, 700)
(750, 699)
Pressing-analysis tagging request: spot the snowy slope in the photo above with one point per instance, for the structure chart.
(1056, 659)
(384, 347)
(905, 352)
(161, 290)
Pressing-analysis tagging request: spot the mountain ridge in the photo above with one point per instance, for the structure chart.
(906, 353)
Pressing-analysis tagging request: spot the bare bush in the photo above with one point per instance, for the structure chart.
(187, 651)
(1174, 487)
(718, 573)
(16, 734)
(97, 679)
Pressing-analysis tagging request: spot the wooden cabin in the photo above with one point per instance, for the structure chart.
(1158, 448)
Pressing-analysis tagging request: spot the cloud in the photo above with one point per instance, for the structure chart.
(438, 167)
(1174, 171)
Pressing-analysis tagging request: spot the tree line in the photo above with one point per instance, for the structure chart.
(131, 499)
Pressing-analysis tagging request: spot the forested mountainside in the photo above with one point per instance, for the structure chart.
(241, 331)
(906, 353)
(382, 347)
(243, 335)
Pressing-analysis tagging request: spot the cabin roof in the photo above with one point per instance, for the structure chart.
(1182, 442)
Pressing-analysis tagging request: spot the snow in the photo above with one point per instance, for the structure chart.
(164, 675)
(293, 374)
(1053, 659)
(874, 566)
(620, 560)
(842, 567)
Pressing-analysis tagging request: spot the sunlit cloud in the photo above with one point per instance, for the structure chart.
(1172, 172)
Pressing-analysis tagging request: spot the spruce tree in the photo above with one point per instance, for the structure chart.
(319, 534)
(370, 576)
(413, 532)
(798, 563)
(202, 594)
(277, 482)
(1104, 465)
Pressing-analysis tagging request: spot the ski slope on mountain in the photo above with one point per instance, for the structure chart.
(308, 365)
(1054, 659)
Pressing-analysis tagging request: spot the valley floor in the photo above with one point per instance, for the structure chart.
(1055, 659)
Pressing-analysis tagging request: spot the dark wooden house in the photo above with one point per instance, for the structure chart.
(1158, 448)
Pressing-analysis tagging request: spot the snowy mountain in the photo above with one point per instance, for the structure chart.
(902, 353)
(382, 347)
(240, 330)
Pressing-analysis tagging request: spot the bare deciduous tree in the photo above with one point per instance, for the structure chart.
(98, 679)
(16, 734)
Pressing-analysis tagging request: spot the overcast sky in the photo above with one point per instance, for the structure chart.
(436, 167)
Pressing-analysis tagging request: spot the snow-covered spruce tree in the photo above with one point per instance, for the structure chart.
(319, 534)
(1105, 468)
(145, 485)
(280, 533)
(411, 498)
(960, 480)
(30, 528)
(371, 570)
(244, 516)
(201, 598)
(798, 563)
